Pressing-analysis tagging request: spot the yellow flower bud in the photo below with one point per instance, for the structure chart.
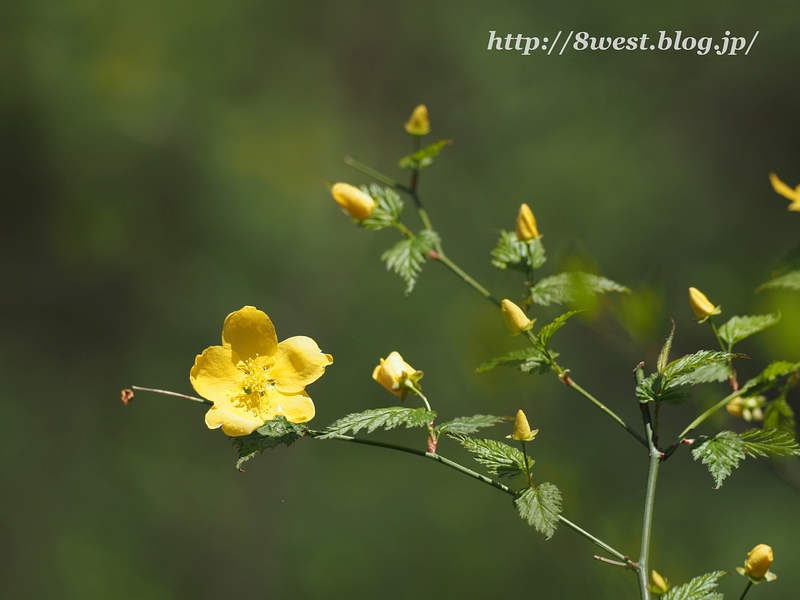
(516, 320)
(522, 431)
(419, 124)
(701, 305)
(735, 408)
(526, 224)
(394, 372)
(785, 191)
(658, 585)
(358, 204)
(758, 562)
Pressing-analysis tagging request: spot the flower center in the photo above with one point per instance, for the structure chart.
(256, 379)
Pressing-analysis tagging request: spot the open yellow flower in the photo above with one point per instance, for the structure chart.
(252, 378)
(785, 191)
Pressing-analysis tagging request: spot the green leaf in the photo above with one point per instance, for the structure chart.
(548, 330)
(722, 454)
(699, 588)
(388, 418)
(499, 459)
(527, 360)
(387, 212)
(768, 378)
(779, 415)
(769, 442)
(663, 357)
(468, 425)
(568, 287)
(269, 435)
(718, 371)
(407, 256)
(674, 384)
(681, 370)
(790, 281)
(423, 157)
(739, 328)
(513, 253)
(540, 507)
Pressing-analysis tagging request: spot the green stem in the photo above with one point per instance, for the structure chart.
(466, 278)
(614, 416)
(470, 473)
(168, 393)
(527, 467)
(710, 412)
(350, 162)
(652, 477)
(747, 589)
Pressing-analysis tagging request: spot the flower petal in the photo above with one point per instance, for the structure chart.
(214, 374)
(233, 422)
(297, 408)
(298, 362)
(250, 333)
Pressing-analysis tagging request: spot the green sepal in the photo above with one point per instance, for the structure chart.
(423, 157)
(540, 507)
(269, 435)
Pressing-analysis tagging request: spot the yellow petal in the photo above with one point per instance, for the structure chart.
(702, 307)
(250, 333)
(214, 375)
(516, 320)
(795, 205)
(526, 224)
(783, 189)
(419, 124)
(298, 362)
(358, 204)
(297, 408)
(522, 430)
(234, 422)
(383, 375)
(759, 560)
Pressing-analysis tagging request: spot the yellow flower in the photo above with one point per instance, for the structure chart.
(522, 431)
(419, 124)
(785, 191)
(757, 565)
(394, 372)
(526, 224)
(358, 204)
(516, 320)
(701, 305)
(252, 378)
(658, 585)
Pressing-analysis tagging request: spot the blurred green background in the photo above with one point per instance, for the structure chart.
(160, 164)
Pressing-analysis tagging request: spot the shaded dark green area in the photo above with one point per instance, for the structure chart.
(160, 165)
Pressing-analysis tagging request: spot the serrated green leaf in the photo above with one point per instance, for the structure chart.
(681, 370)
(739, 328)
(779, 415)
(699, 588)
(407, 256)
(769, 377)
(721, 454)
(468, 425)
(540, 507)
(568, 287)
(269, 435)
(527, 360)
(387, 418)
(513, 253)
(769, 442)
(548, 330)
(663, 357)
(388, 210)
(790, 281)
(719, 371)
(499, 459)
(423, 157)
(674, 384)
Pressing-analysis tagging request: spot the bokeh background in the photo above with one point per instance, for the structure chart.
(160, 167)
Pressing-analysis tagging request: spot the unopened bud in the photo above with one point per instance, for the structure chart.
(515, 318)
(522, 430)
(526, 224)
(658, 585)
(419, 124)
(757, 565)
(357, 203)
(394, 372)
(701, 305)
